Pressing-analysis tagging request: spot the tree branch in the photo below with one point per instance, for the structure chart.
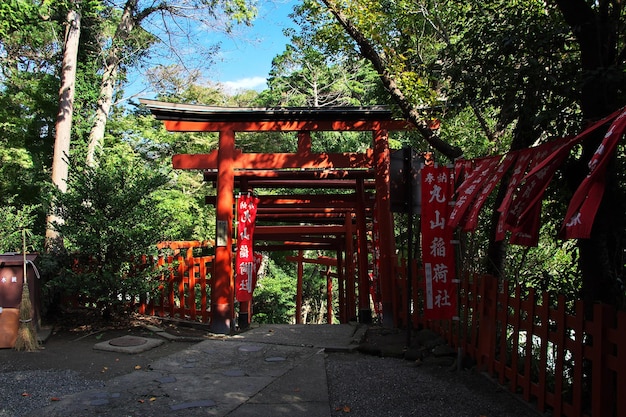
(410, 112)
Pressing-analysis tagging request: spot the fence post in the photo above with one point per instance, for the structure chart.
(487, 331)
(601, 378)
(621, 363)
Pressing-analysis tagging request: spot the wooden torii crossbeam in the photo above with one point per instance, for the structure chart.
(358, 171)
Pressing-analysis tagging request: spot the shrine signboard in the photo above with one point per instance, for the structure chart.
(440, 290)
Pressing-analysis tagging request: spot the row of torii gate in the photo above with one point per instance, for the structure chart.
(336, 221)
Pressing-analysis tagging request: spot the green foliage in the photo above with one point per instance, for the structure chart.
(12, 221)
(274, 296)
(110, 216)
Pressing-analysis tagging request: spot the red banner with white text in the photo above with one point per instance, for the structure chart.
(437, 251)
(586, 200)
(245, 268)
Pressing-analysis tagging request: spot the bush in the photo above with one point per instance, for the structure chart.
(109, 217)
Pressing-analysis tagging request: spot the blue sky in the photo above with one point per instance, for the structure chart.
(245, 58)
(246, 62)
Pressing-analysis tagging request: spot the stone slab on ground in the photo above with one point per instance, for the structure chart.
(129, 344)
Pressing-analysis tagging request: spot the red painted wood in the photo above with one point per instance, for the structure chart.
(256, 161)
(341, 285)
(222, 291)
(383, 215)
(620, 359)
(543, 332)
(329, 296)
(362, 253)
(350, 287)
(304, 142)
(285, 126)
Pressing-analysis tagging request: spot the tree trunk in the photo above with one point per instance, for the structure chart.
(63, 127)
(596, 31)
(109, 78)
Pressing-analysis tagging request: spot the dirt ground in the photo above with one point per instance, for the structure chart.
(70, 346)
(73, 335)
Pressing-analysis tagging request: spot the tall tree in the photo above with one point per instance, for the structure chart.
(129, 34)
(598, 28)
(66, 110)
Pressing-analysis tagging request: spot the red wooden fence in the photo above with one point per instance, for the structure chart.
(541, 347)
(184, 290)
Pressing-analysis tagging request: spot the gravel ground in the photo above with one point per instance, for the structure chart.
(371, 386)
(24, 392)
(359, 386)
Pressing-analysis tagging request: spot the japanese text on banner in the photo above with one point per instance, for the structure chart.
(244, 262)
(437, 251)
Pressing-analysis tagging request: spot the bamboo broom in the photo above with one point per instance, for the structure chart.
(26, 334)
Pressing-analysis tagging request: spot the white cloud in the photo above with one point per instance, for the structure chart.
(249, 83)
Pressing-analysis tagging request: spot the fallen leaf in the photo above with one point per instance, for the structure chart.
(104, 369)
(140, 401)
(137, 367)
(25, 394)
(152, 398)
(346, 409)
(55, 399)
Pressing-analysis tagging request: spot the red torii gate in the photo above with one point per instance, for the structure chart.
(301, 169)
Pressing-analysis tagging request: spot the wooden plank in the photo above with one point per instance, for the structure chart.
(329, 296)
(350, 310)
(528, 322)
(293, 174)
(299, 287)
(266, 232)
(285, 126)
(260, 183)
(601, 380)
(191, 271)
(257, 161)
(294, 246)
(322, 260)
(503, 315)
(620, 353)
(559, 346)
(543, 333)
(202, 272)
(516, 305)
(577, 354)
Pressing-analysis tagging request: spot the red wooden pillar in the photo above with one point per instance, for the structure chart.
(385, 224)
(365, 312)
(299, 288)
(341, 287)
(329, 296)
(304, 142)
(222, 291)
(350, 270)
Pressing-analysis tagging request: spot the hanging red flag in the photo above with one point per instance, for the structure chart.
(245, 260)
(471, 222)
(437, 251)
(528, 158)
(524, 216)
(586, 200)
(472, 185)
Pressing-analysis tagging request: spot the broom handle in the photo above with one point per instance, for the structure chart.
(24, 252)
